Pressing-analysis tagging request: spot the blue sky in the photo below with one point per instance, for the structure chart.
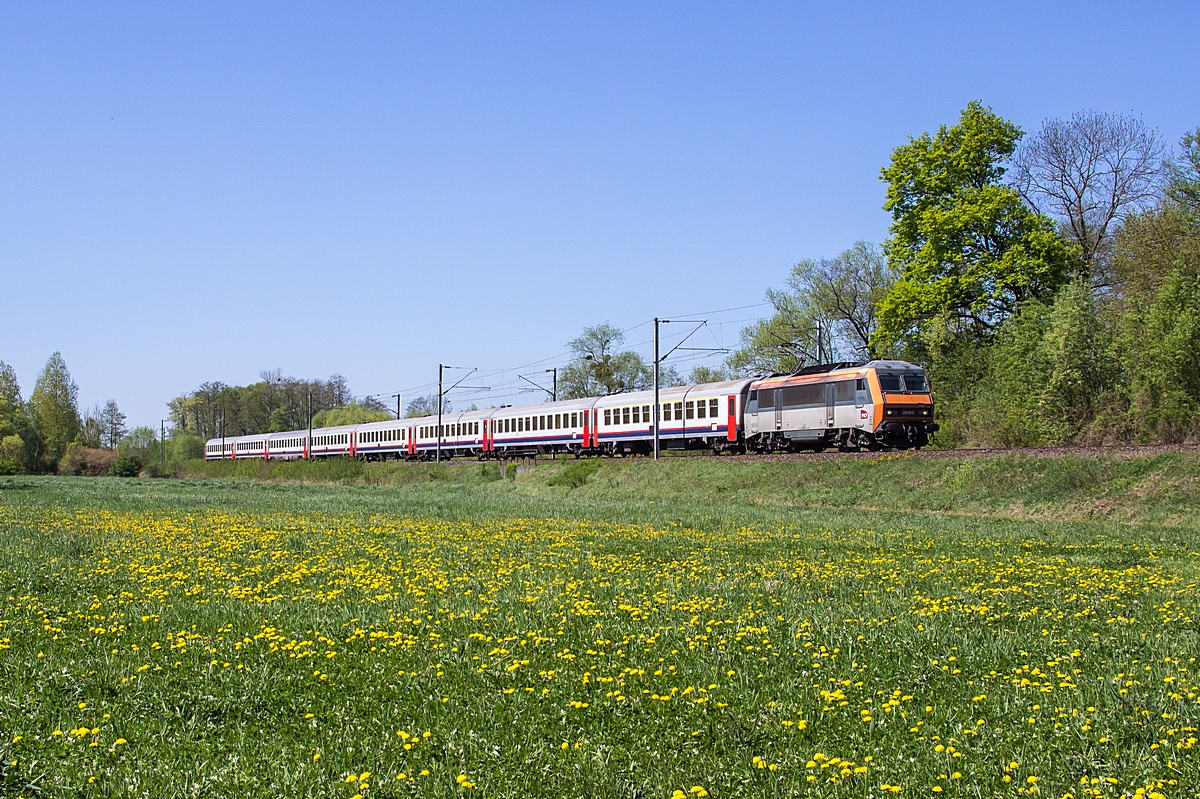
(194, 192)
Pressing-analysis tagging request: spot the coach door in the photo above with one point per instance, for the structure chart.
(830, 402)
(779, 409)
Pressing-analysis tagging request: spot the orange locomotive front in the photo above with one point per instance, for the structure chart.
(873, 405)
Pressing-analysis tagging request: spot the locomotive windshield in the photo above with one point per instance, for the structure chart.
(913, 383)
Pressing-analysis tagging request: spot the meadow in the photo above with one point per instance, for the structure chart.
(569, 634)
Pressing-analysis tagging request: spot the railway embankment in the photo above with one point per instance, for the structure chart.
(1147, 485)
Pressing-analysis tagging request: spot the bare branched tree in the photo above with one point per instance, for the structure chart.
(1089, 171)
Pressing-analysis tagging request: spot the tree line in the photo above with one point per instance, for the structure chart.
(1049, 283)
(50, 433)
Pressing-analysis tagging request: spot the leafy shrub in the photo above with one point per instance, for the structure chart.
(576, 474)
(10, 467)
(127, 464)
(89, 461)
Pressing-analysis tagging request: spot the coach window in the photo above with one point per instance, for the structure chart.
(625, 416)
(691, 409)
(637, 416)
(528, 421)
(607, 417)
(574, 420)
(713, 405)
(678, 411)
(700, 409)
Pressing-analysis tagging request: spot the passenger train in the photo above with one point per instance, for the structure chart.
(874, 405)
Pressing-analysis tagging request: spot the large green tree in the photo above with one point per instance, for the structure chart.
(54, 406)
(967, 247)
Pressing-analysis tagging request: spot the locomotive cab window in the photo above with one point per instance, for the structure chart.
(890, 383)
(915, 383)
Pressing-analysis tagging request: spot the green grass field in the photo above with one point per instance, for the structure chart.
(699, 628)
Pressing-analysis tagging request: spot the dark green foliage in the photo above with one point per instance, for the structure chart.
(54, 407)
(1185, 174)
(127, 464)
(576, 474)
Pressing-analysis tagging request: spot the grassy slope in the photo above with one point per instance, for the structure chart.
(1160, 489)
